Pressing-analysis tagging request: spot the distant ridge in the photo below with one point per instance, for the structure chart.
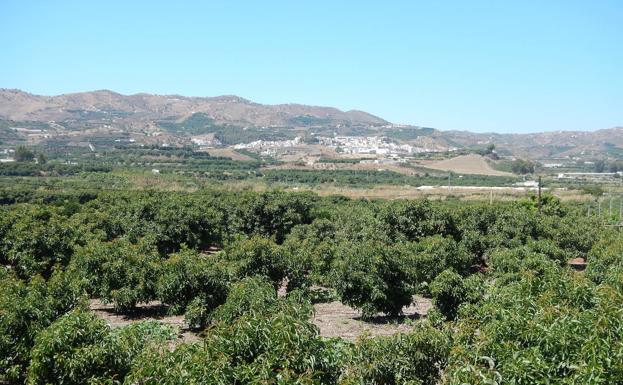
(20, 105)
(104, 110)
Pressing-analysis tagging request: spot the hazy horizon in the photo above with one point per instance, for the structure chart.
(479, 66)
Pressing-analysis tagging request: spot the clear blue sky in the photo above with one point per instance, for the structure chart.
(506, 66)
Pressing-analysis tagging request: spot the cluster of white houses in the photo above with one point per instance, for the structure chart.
(372, 145)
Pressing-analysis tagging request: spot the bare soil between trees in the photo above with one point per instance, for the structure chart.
(333, 319)
(151, 311)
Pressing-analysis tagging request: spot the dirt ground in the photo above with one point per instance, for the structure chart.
(335, 319)
(466, 164)
(152, 311)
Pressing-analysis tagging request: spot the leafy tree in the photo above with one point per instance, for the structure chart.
(412, 220)
(38, 239)
(23, 154)
(525, 317)
(271, 214)
(184, 221)
(195, 282)
(169, 221)
(449, 290)
(539, 324)
(41, 159)
(522, 166)
(417, 357)
(258, 256)
(23, 315)
(248, 296)
(372, 278)
(80, 348)
(277, 346)
(119, 271)
(26, 308)
(310, 253)
(511, 227)
(605, 259)
(426, 259)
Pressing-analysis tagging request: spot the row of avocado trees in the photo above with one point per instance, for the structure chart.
(507, 308)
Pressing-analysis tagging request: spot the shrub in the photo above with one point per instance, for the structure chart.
(80, 348)
(432, 255)
(259, 256)
(449, 290)
(372, 278)
(417, 357)
(26, 308)
(250, 295)
(118, 271)
(37, 240)
(191, 278)
(277, 347)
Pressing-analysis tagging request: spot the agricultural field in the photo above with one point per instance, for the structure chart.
(228, 153)
(123, 277)
(466, 164)
(453, 216)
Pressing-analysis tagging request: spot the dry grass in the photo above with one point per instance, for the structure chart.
(466, 193)
(467, 164)
(228, 153)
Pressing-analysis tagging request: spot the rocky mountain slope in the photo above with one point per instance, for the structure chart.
(18, 105)
(600, 143)
(174, 118)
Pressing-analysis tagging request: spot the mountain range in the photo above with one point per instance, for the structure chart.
(175, 118)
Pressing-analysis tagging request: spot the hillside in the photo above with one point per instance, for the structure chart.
(606, 142)
(18, 105)
(104, 116)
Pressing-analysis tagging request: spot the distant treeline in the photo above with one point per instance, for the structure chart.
(34, 169)
(372, 177)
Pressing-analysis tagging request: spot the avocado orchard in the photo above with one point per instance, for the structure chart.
(507, 309)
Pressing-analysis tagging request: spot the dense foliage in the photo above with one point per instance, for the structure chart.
(245, 268)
